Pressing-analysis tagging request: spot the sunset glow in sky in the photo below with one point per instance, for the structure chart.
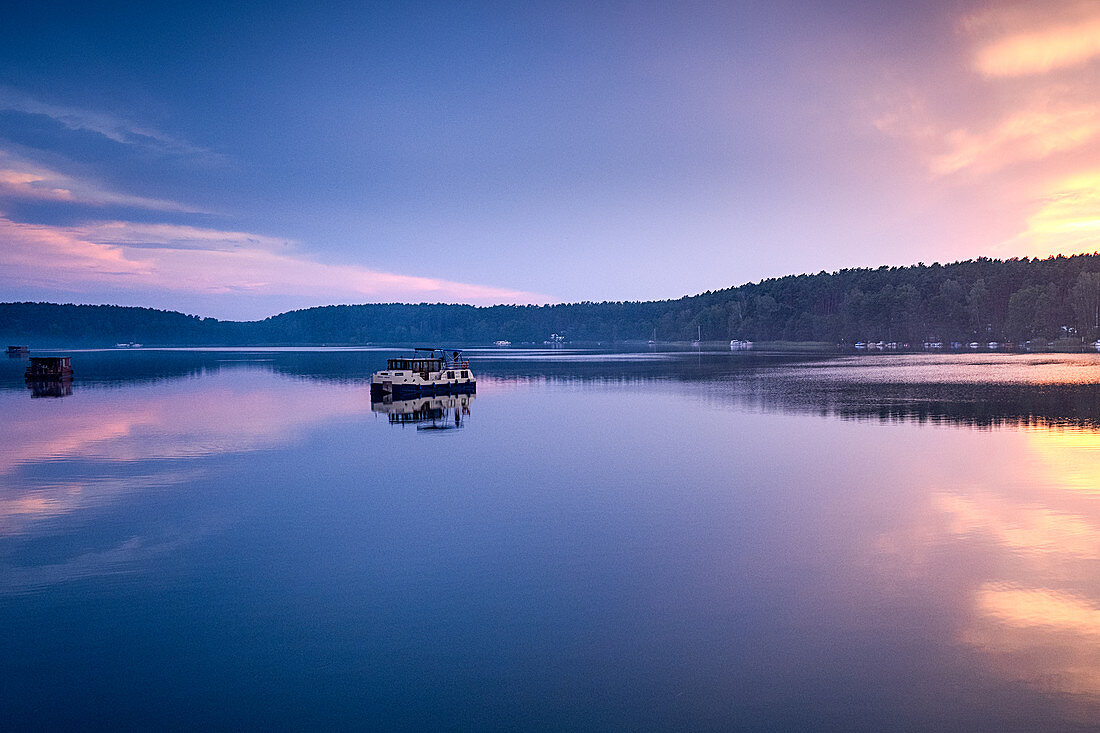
(241, 161)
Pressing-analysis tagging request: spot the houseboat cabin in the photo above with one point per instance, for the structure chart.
(427, 372)
(18, 351)
(49, 367)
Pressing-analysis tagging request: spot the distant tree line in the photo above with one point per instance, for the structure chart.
(982, 299)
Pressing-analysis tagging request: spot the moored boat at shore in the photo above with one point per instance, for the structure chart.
(427, 372)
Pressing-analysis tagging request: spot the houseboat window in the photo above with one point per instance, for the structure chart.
(465, 373)
(450, 375)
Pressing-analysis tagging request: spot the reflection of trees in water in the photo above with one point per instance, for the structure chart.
(965, 404)
(751, 380)
(120, 367)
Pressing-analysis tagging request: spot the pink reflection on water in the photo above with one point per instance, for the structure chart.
(162, 430)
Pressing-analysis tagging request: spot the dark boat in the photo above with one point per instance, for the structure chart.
(49, 367)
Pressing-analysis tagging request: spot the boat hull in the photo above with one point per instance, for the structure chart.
(410, 391)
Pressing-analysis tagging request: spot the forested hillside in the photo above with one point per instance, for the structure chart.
(980, 299)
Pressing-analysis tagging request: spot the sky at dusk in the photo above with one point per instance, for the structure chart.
(237, 160)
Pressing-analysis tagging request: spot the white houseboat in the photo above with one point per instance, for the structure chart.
(427, 372)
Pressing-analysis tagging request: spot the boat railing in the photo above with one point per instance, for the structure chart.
(444, 355)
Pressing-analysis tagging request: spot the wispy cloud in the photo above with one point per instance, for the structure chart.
(111, 126)
(24, 180)
(128, 255)
(179, 236)
(1040, 128)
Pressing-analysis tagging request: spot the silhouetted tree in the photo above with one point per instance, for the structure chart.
(976, 299)
(1085, 297)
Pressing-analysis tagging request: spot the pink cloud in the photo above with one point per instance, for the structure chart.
(24, 180)
(128, 255)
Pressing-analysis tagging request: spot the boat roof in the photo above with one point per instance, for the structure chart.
(423, 354)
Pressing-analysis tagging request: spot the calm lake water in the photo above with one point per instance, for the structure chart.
(654, 541)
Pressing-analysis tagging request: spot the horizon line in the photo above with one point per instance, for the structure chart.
(868, 268)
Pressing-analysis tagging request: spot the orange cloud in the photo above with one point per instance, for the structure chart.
(1066, 221)
(1040, 124)
(1011, 122)
(1028, 134)
(1038, 52)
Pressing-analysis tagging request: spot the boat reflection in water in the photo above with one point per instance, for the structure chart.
(50, 376)
(51, 387)
(443, 412)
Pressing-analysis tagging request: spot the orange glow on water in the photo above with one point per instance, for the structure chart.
(1031, 529)
(1038, 620)
(1070, 458)
(1041, 609)
(1045, 637)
